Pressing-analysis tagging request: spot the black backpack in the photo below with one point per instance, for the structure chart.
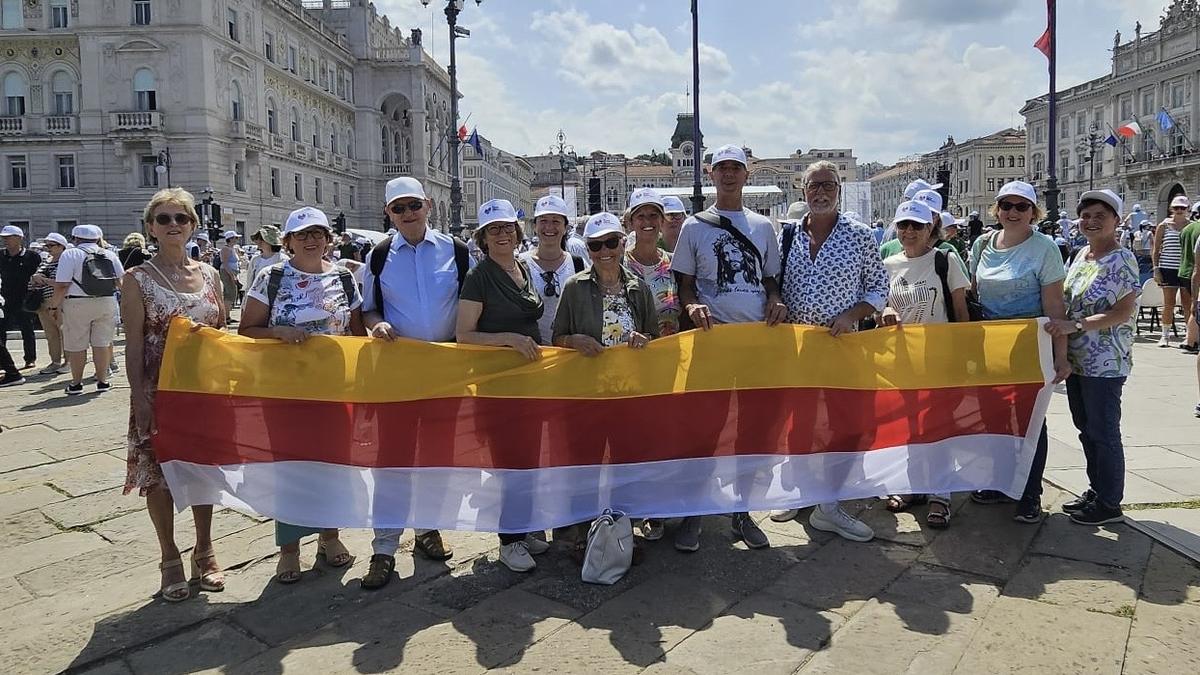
(99, 277)
(378, 257)
(275, 279)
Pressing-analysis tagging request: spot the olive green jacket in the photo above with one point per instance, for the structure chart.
(581, 309)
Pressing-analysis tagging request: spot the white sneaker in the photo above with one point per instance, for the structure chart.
(535, 546)
(1164, 341)
(784, 515)
(515, 556)
(841, 523)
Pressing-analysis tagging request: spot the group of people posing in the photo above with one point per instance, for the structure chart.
(624, 289)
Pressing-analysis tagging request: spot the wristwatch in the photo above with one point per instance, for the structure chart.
(1079, 326)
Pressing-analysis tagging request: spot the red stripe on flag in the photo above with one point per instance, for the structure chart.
(513, 433)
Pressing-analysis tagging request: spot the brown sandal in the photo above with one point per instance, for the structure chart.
(334, 551)
(213, 582)
(939, 514)
(287, 570)
(902, 503)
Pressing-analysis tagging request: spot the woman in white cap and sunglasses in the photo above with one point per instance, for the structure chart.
(1018, 273)
(550, 263)
(303, 296)
(1167, 255)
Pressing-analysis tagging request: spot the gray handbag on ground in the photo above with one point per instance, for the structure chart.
(609, 548)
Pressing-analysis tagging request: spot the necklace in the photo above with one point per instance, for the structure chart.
(177, 273)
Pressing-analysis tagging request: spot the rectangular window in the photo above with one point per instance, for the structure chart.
(64, 103)
(351, 196)
(337, 197)
(1147, 101)
(64, 227)
(239, 176)
(147, 176)
(269, 47)
(147, 100)
(141, 12)
(1081, 123)
(1065, 129)
(66, 171)
(317, 190)
(275, 187)
(1039, 134)
(231, 23)
(298, 187)
(14, 106)
(18, 172)
(11, 14)
(58, 13)
(1126, 108)
(292, 59)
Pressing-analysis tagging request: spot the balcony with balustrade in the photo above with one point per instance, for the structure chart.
(247, 131)
(150, 120)
(397, 169)
(12, 126)
(300, 151)
(57, 125)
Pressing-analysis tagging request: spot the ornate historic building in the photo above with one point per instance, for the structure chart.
(269, 103)
(1153, 82)
(494, 174)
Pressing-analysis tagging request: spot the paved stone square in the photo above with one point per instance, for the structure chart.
(986, 596)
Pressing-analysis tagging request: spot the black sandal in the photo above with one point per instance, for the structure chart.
(902, 503)
(938, 519)
(379, 573)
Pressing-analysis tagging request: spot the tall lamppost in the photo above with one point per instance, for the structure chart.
(1088, 144)
(453, 7)
(564, 150)
(697, 190)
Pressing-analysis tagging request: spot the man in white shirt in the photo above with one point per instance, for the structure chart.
(85, 289)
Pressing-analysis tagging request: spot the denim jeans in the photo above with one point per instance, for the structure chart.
(1033, 486)
(1096, 410)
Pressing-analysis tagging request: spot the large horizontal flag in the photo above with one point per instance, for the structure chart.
(354, 432)
(1130, 129)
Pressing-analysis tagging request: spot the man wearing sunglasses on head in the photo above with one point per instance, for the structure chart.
(410, 289)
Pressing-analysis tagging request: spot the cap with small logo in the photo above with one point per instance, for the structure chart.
(1180, 201)
(56, 238)
(269, 234)
(11, 231)
(1112, 199)
(1017, 188)
(201, 234)
(913, 210)
(496, 211)
(230, 234)
(918, 185)
(673, 204)
(930, 198)
(643, 196)
(551, 204)
(948, 219)
(402, 187)
(601, 224)
(88, 232)
(729, 153)
(304, 218)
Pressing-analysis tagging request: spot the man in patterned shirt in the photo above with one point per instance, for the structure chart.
(831, 276)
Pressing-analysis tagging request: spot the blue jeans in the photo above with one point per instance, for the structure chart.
(1096, 410)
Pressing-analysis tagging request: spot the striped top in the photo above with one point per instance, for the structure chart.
(1169, 257)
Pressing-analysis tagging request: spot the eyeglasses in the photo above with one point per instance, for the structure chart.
(166, 218)
(305, 235)
(1021, 207)
(822, 186)
(399, 208)
(1179, 208)
(551, 282)
(505, 228)
(611, 242)
(910, 225)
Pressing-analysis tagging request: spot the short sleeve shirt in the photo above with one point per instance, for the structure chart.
(662, 284)
(314, 303)
(1009, 281)
(915, 289)
(507, 307)
(549, 284)
(729, 278)
(1092, 287)
(70, 265)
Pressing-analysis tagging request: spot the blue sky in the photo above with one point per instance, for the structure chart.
(885, 77)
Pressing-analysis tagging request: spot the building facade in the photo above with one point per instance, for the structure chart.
(270, 104)
(1152, 81)
(494, 174)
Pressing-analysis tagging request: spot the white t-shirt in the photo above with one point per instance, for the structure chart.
(729, 279)
(314, 303)
(539, 278)
(915, 290)
(70, 265)
(258, 262)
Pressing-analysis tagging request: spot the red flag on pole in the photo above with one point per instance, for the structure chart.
(462, 133)
(1043, 43)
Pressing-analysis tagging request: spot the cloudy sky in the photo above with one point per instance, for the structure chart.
(885, 77)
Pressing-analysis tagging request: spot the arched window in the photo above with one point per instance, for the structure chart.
(235, 101)
(991, 162)
(333, 139)
(397, 147)
(316, 132)
(62, 86)
(295, 125)
(350, 144)
(272, 117)
(15, 91)
(1021, 161)
(1012, 162)
(144, 90)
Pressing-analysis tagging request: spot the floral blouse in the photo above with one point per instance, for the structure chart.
(1092, 287)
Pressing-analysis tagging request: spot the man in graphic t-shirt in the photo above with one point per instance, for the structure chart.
(729, 278)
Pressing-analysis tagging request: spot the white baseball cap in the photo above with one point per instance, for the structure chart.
(948, 219)
(1017, 188)
(11, 231)
(913, 210)
(496, 211)
(1181, 200)
(601, 224)
(729, 153)
(551, 204)
(202, 235)
(304, 218)
(230, 234)
(88, 232)
(57, 238)
(643, 196)
(673, 204)
(402, 187)
(1113, 199)
(930, 198)
(918, 185)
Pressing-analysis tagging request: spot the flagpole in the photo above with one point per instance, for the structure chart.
(1052, 160)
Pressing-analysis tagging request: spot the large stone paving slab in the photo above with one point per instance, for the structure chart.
(1164, 640)
(1178, 528)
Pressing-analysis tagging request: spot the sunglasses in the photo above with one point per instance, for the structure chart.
(551, 282)
(1021, 207)
(910, 225)
(596, 246)
(305, 235)
(506, 228)
(399, 208)
(166, 218)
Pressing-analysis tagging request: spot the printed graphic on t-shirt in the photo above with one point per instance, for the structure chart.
(737, 267)
(914, 302)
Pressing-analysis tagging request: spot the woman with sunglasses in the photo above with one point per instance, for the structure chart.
(916, 296)
(550, 262)
(645, 219)
(304, 296)
(43, 282)
(499, 307)
(1167, 256)
(1018, 274)
(168, 285)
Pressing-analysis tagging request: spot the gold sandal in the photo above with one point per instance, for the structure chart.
(287, 570)
(178, 591)
(335, 552)
(209, 581)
